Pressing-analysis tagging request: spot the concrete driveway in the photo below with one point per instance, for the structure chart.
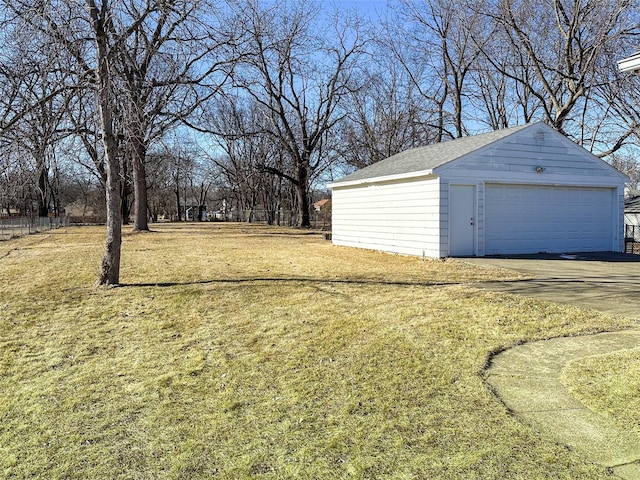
(527, 378)
(607, 281)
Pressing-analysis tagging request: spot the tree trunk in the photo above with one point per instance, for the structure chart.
(43, 207)
(110, 269)
(178, 204)
(125, 206)
(140, 202)
(302, 197)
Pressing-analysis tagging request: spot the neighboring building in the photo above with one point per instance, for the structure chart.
(526, 189)
(322, 205)
(322, 214)
(194, 213)
(82, 213)
(632, 216)
(7, 213)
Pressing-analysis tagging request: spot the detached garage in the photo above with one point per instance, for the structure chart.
(526, 189)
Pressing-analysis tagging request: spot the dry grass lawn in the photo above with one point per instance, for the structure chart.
(609, 385)
(236, 351)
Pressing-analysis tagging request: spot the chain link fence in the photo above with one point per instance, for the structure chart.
(283, 218)
(632, 239)
(14, 227)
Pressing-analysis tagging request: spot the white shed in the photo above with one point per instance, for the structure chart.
(527, 189)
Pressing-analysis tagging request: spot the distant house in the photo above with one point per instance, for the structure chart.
(322, 205)
(80, 212)
(195, 213)
(632, 216)
(322, 213)
(526, 189)
(10, 212)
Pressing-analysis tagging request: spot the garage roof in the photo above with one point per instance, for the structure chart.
(429, 157)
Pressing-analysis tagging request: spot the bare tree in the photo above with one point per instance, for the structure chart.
(385, 117)
(146, 62)
(437, 43)
(110, 270)
(239, 130)
(176, 164)
(629, 166)
(80, 36)
(37, 86)
(298, 76)
(563, 48)
(486, 63)
(166, 51)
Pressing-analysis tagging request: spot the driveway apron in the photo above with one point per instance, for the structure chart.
(527, 377)
(609, 282)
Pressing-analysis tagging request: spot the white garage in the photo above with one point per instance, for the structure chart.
(527, 189)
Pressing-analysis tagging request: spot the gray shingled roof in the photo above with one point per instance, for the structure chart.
(429, 157)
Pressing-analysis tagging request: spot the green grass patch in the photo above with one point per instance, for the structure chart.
(239, 351)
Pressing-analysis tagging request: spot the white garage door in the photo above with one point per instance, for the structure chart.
(532, 219)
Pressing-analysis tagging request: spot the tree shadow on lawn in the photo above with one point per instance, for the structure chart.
(349, 281)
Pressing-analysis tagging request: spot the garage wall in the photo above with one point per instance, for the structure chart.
(400, 217)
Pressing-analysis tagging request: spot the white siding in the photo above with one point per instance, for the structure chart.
(619, 219)
(400, 217)
(514, 160)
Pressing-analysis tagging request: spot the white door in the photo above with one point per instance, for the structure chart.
(533, 219)
(462, 201)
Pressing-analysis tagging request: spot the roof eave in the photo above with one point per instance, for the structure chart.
(383, 179)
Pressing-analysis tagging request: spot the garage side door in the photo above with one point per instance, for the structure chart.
(532, 219)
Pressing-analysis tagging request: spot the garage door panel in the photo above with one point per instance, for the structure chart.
(532, 219)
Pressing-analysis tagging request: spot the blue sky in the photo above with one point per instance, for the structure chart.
(366, 7)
